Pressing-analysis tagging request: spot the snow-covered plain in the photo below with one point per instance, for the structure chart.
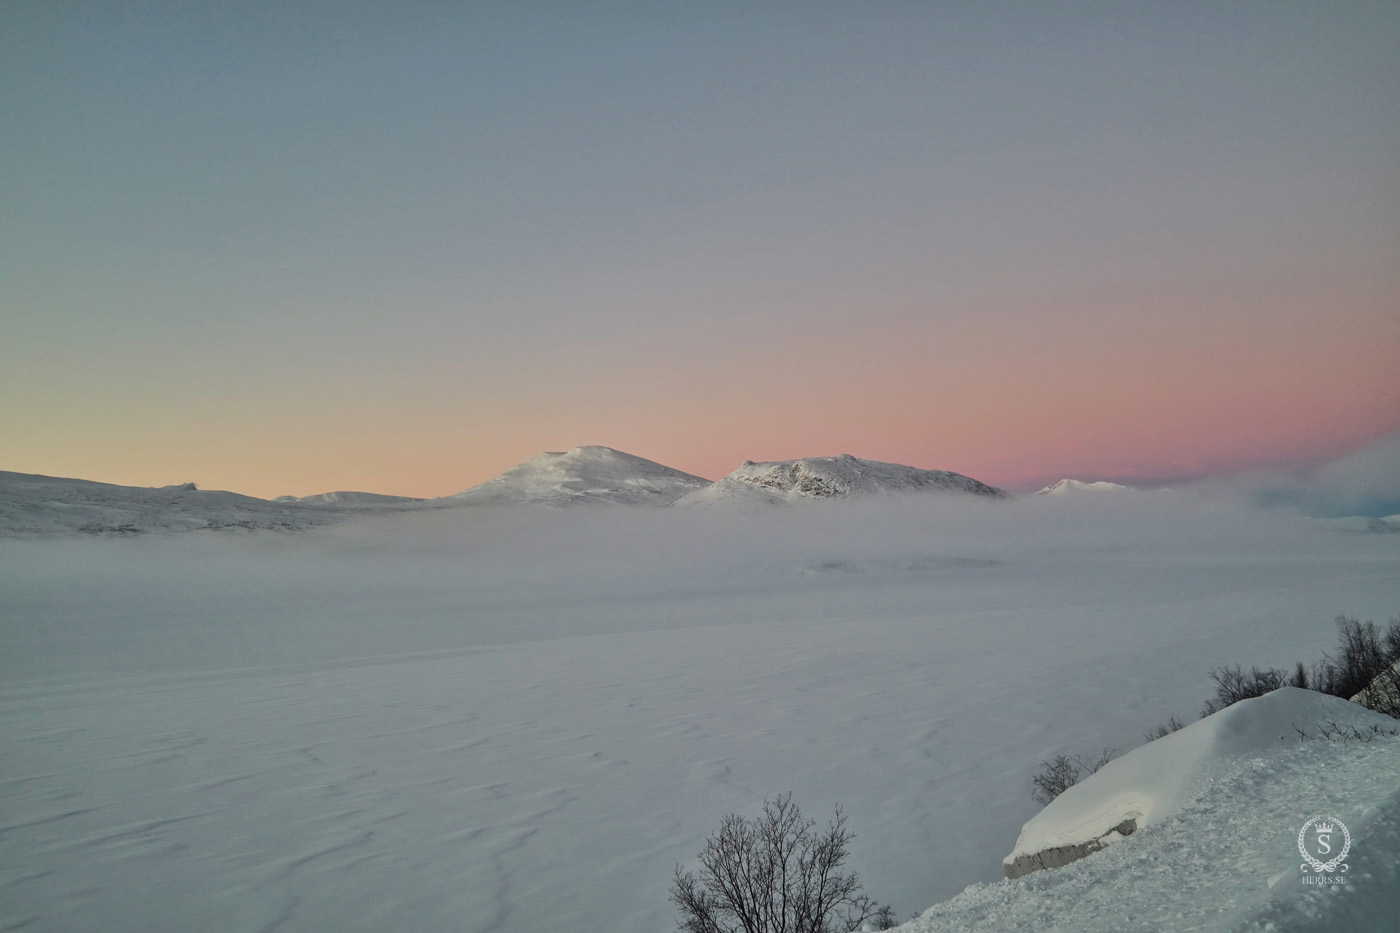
(520, 720)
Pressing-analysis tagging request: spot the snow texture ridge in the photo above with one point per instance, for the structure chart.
(844, 476)
(585, 474)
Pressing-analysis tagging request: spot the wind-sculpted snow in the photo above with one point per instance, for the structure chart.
(502, 719)
(1226, 859)
(1152, 783)
(816, 478)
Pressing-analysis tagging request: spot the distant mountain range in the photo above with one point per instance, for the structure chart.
(33, 504)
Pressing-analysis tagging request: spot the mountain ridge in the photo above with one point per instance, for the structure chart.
(838, 477)
(35, 504)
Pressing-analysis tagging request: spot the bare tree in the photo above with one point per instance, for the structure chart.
(1062, 772)
(773, 874)
(1173, 724)
(1233, 684)
(1363, 655)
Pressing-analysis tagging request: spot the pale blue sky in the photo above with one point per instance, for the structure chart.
(493, 224)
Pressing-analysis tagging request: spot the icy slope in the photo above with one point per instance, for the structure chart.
(828, 478)
(1216, 810)
(1072, 486)
(584, 474)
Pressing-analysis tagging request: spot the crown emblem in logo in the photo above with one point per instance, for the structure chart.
(1321, 859)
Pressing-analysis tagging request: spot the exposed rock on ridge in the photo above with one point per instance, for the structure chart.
(830, 478)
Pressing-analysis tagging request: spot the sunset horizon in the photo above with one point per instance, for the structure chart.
(352, 246)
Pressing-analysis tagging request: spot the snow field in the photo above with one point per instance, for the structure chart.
(479, 720)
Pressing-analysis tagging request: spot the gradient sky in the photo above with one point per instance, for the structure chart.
(400, 247)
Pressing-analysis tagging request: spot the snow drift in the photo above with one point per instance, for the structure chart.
(1150, 783)
(1219, 807)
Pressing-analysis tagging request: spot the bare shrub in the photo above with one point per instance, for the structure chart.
(1383, 693)
(1064, 771)
(1233, 684)
(1382, 690)
(1166, 728)
(1333, 732)
(1056, 776)
(883, 919)
(773, 874)
(1364, 666)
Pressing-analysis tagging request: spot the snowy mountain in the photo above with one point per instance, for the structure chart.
(1073, 486)
(582, 475)
(829, 478)
(34, 504)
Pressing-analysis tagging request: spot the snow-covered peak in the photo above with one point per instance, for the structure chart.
(1071, 486)
(585, 474)
(829, 478)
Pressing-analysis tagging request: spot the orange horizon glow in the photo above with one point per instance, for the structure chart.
(1018, 245)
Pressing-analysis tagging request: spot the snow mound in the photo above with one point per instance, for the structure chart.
(1219, 806)
(829, 478)
(1073, 486)
(584, 474)
(1150, 784)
